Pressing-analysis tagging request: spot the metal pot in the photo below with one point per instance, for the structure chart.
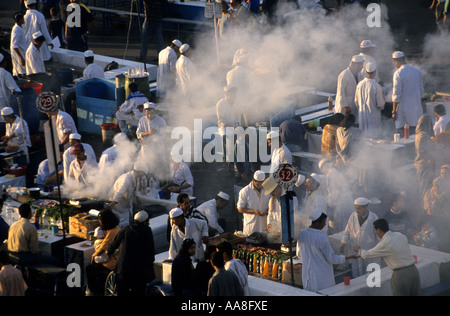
(35, 193)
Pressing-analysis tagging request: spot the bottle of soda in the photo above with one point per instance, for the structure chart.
(330, 103)
(406, 131)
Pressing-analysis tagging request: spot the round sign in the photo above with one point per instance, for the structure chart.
(286, 175)
(46, 102)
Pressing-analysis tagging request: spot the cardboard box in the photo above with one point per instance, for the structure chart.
(230, 237)
(287, 276)
(81, 224)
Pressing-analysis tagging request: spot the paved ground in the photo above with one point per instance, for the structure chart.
(410, 23)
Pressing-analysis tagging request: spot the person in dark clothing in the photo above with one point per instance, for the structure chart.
(204, 271)
(152, 27)
(134, 268)
(183, 272)
(399, 219)
(56, 26)
(293, 134)
(77, 37)
(4, 227)
(223, 282)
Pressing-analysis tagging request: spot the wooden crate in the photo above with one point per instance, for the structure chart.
(81, 224)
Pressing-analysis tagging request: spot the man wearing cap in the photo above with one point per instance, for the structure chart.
(75, 138)
(134, 268)
(359, 231)
(280, 153)
(185, 72)
(132, 109)
(393, 247)
(228, 115)
(166, 75)
(35, 22)
(80, 169)
(124, 195)
(77, 35)
(34, 63)
(253, 203)
(370, 102)
(210, 210)
(316, 199)
(367, 50)
(65, 125)
(406, 95)
(14, 136)
(183, 228)
(151, 125)
(18, 46)
(346, 86)
(317, 255)
(92, 70)
(7, 84)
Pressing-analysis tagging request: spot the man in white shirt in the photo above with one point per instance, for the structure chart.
(346, 86)
(34, 64)
(80, 169)
(442, 119)
(166, 75)
(359, 231)
(15, 136)
(316, 200)
(235, 265)
(75, 138)
(150, 126)
(65, 125)
(7, 84)
(253, 203)
(19, 45)
(367, 50)
(132, 109)
(35, 22)
(185, 71)
(210, 210)
(183, 228)
(314, 249)
(280, 153)
(92, 70)
(406, 95)
(394, 249)
(370, 102)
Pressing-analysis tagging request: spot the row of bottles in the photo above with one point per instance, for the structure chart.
(261, 263)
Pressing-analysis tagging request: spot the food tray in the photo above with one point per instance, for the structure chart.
(256, 238)
(45, 203)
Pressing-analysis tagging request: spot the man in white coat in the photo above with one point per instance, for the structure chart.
(185, 71)
(183, 228)
(406, 95)
(314, 249)
(92, 69)
(280, 153)
(359, 231)
(75, 138)
(7, 84)
(34, 63)
(81, 168)
(132, 109)
(346, 86)
(35, 22)
(253, 203)
(367, 50)
(65, 125)
(316, 200)
(370, 102)
(166, 75)
(15, 134)
(18, 46)
(210, 210)
(124, 195)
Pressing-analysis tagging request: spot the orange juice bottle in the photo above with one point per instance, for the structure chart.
(275, 269)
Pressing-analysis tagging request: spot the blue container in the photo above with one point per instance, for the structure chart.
(30, 113)
(95, 90)
(65, 76)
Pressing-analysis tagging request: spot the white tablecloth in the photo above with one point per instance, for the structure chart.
(12, 182)
(71, 256)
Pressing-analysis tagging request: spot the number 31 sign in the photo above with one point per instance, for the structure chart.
(46, 102)
(286, 175)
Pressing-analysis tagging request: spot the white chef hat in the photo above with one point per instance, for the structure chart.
(37, 34)
(272, 134)
(175, 212)
(7, 111)
(370, 67)
(149, 105)
(28, 2)
(141, 216)
(361, 201)
(357, 59)
(321, 162)
(259, 175)
(397, 54)
(177, 42)
(184, 48)
(223, 196)
(75, 136)
(317, 177)
(315, 215)
(269, 185)
(366, 44)
(89, 53)
(300, 180)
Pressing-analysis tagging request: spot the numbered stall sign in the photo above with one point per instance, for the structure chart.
(286, 175)
(46, 102)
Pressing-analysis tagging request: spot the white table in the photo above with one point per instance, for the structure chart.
(159, 230)
(46, 239)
